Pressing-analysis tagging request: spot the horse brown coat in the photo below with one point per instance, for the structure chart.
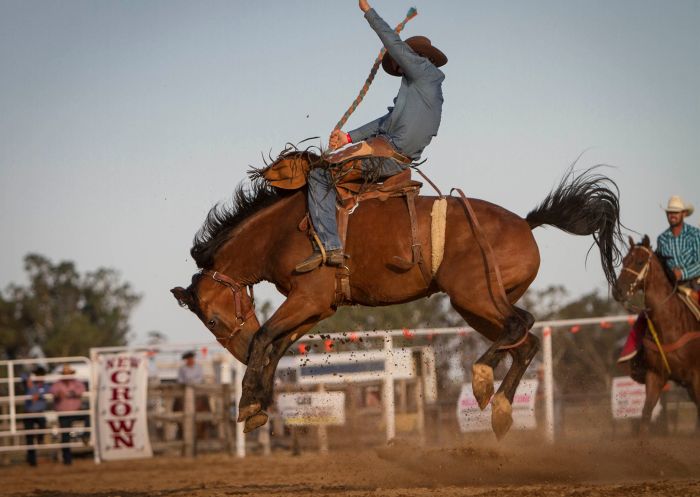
(265, 243)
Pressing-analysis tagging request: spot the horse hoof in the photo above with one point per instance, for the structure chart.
(255, 421)
(248, 411)
(501, 415)
(482, 384)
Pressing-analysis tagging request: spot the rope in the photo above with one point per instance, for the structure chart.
(658, 342)
(412, 12)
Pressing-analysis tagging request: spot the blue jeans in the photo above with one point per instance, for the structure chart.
(322, 197)
(67, 421)
(32, 424)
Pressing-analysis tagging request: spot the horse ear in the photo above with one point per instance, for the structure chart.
(182, 296)
(631, 240)
(646, 242)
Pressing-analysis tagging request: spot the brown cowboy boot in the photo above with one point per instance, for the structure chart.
(335, 258)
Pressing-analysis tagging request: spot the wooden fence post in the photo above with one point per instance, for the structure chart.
(188, 421)
(226, 418)
(420, 412)
(322, 429)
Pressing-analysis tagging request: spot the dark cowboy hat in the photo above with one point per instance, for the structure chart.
(422, 46)
(39, 371)
(188, 354)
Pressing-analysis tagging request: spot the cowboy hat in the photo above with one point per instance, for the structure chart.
(676, 204)
(67, 369)
(422, 46)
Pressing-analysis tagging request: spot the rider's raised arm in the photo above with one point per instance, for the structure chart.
(412, 64)
(368, 130)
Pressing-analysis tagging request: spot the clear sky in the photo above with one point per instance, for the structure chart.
(121, 123)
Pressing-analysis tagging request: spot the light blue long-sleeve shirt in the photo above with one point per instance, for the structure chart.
(682, 251)
(190, 375)
(415, 117)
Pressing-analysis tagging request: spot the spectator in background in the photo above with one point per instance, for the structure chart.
(67, 396)
(190, 373)
(36, 388)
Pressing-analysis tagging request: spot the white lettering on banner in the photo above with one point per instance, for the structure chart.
(627, 399)
(122, 427)
(471, 418)
(312, 408)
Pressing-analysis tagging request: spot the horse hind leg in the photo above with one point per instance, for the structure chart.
(514, 331)
(502, 402)
(482, 370)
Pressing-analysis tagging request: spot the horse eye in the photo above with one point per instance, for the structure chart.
(211, 323)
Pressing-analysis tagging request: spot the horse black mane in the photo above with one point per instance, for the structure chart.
(248, 198)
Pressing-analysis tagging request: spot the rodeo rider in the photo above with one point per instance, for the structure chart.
(409, 126)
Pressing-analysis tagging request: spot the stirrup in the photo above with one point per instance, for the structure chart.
(336, 258)
(310, 263)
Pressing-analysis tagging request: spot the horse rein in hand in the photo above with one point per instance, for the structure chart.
(236, 291)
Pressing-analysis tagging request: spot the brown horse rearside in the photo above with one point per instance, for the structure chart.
(258, 238)
(642, 270)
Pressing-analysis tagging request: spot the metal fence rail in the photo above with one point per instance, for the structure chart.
(12, 435)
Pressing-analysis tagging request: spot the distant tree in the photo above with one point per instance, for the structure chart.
(155, 337)
(63, 312)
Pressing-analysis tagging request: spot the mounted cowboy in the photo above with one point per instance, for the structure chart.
(679, 247)
(407, 128)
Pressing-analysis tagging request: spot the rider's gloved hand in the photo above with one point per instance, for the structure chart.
(337, 139)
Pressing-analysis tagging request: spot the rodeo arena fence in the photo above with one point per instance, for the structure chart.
(133, 406)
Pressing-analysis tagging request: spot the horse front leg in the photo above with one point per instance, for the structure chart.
(297, 312)
(654, 383)
(277, 350)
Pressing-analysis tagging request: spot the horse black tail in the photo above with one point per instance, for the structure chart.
(585, 204)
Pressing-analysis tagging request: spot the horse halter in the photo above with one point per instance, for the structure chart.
(642, 274)
(239, 293)
(641, 277)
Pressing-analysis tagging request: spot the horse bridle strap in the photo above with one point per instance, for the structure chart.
(672, 347)
(641, 275)
(503, 306)
(236, 290)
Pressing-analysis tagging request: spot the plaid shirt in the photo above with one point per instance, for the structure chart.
(683, 251)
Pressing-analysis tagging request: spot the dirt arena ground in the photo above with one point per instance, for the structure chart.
(661, 467)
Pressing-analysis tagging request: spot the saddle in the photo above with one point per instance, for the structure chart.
(352, 190)
(291, 169)
(690, 298)
(376, 146)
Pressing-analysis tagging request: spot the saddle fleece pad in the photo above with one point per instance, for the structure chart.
(437, 232)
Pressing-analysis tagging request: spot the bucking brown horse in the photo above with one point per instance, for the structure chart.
(675, 325)
(258, 238)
